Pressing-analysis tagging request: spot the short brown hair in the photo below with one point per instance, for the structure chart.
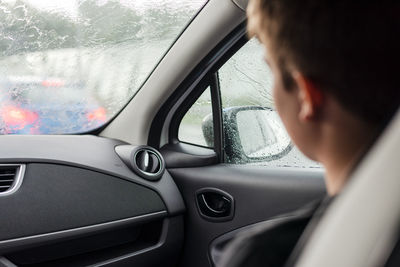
(347, 48)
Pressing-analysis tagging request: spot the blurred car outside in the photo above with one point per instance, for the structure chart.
(35, 105)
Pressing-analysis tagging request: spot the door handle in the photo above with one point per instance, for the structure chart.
(214, 204)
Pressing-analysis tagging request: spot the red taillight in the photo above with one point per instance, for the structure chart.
(52, 83)
(14, 116)
(98, 114)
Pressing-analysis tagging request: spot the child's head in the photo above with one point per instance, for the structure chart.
(330, 58)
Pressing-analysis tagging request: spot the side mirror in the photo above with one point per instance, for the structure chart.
(252, 134)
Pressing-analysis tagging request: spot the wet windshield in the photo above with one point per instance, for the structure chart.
(70, 66)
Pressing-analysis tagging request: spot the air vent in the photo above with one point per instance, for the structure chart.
(148, 163)
(145, 161)
(10, 177)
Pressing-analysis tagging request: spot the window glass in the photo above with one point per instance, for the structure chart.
(68, 66)
(245, 78)
(197, 125)
(254, 133)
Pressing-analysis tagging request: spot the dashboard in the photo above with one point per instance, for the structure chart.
(80, 201)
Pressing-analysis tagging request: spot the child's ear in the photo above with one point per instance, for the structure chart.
(310, 97)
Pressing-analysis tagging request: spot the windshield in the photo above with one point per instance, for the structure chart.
(68, 66)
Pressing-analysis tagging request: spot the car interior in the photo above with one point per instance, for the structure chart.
(130, 193)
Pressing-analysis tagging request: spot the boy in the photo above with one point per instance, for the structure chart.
(335, 67)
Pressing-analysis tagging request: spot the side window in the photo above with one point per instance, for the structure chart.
(196, 126)
(253, 131)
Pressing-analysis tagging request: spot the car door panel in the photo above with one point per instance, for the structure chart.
(259, 194)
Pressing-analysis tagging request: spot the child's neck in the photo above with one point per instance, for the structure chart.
(343, 152)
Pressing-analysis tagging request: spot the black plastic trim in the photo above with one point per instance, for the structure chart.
(183, 155)
(222, 193)
(146, 244)
(169, 247)
(42, 239)
(166, 235)
(217, 116)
